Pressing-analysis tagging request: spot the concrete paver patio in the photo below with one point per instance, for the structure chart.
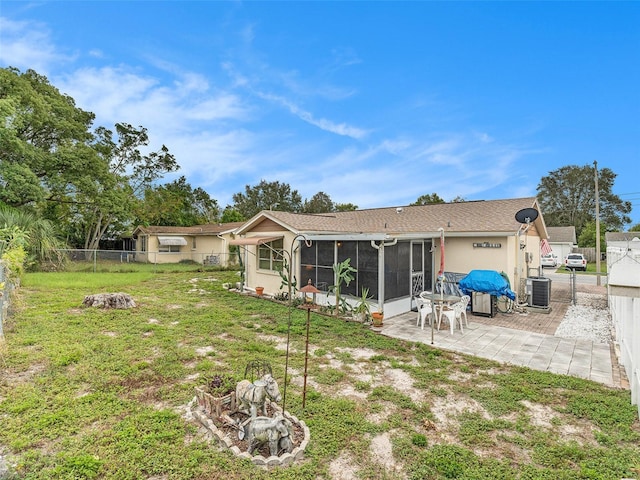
(522, 339)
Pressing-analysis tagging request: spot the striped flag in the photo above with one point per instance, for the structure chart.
(545, 248)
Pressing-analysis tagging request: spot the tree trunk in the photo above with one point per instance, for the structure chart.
(109, 300)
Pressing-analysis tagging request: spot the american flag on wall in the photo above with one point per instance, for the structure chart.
(545, 248)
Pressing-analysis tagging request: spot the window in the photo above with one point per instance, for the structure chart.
(270, 255)
(169, 249)
(143, 243)
(193, 243)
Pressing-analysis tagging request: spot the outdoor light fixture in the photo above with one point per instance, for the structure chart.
(308, 288)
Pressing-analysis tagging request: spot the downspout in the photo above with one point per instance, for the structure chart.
(224, 248)
(380, 249)
(519, 276)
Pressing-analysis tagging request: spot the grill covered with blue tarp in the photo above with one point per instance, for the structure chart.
(486, 281)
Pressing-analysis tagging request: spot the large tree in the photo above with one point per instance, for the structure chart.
(428, 199)
(267, 196)
(587, 236)
(44, 140)
(319, 203)
(54, 165)
(345, 207)
(230, 214)
(110, 199)
(567, 197)
(177, 204)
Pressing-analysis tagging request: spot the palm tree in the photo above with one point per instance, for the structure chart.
(37, 235)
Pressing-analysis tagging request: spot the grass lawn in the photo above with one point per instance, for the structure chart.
(591, 269)
(102, 394)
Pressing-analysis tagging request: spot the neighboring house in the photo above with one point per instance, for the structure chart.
(562, 241)
(620, 239)
(206, 244)
(395, 250)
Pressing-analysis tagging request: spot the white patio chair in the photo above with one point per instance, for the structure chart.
(453, 314)
(424, 311)
(465, 299)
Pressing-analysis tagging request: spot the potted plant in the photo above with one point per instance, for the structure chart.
(362, 311)
(259, 291)
(217, 394)
(377, 318)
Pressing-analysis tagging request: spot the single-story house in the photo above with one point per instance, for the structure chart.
(207, 244)
(396, 250)
(562, 241)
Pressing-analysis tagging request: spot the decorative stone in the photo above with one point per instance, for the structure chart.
(203, 409)
(287, 459)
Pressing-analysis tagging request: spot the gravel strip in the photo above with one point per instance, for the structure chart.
(590, 319)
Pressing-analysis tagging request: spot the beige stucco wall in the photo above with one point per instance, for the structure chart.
(460, 256)
(206, 245)
(518, 263)
(268, 279)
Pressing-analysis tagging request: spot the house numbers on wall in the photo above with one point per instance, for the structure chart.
(487, 245)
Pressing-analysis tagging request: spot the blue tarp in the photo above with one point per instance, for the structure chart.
(486, 281)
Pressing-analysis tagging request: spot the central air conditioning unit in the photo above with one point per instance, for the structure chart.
(539, 291)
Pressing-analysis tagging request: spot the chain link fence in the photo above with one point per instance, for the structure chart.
(95, 260)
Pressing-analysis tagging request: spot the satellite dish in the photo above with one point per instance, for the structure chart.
(526, 215)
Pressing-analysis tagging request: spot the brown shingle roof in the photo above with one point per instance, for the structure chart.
(562, 234)
(475, 216)
(621, 236)
(207, 229)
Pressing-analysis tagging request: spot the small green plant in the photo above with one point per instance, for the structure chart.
(288, 279)
(419, 440)
(362, 386)
(343, 274)
(362, 308)
(220, 384)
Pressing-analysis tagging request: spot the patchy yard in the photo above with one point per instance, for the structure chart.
(92, 393)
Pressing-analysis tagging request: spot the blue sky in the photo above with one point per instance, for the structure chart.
(373, 103)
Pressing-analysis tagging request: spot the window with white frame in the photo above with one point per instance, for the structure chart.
(271, 255)
(169, 249)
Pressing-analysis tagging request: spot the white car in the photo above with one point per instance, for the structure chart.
(549, 260)
(575, 261)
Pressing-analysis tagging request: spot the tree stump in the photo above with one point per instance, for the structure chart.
(109, 300)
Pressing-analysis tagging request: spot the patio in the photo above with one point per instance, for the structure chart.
(523, 339)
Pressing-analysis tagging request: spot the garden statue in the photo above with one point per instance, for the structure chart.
(276, 431)
(252, 396)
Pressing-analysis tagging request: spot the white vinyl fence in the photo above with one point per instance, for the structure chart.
(623, 266)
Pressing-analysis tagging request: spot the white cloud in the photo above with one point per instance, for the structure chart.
(120, 94)
(324, 124)
(210, 130)
(27, 45)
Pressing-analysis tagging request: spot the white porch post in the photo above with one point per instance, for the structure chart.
(381, 276)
